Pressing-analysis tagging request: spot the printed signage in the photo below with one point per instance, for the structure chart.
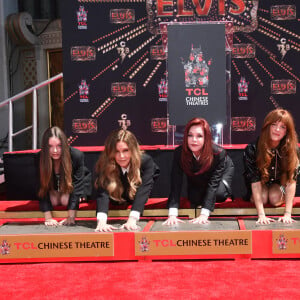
(196, 73)
(71, 245)
(193, 243)
(286, 241)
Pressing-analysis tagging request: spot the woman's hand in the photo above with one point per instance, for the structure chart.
(51, 223)
(70, 221)
(202, 219)
(131, 224)
(102, 226)
(172, 220)
(263, 220)
(287, 219)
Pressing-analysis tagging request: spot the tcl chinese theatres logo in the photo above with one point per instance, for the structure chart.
(163, 90)
(5, 248)
(243, 89)
(83, 91)
(282, 242)
(144, 244)
(82, 18)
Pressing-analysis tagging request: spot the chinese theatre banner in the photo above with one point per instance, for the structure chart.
(146, 64)
(196, 73)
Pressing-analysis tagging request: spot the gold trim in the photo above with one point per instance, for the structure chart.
(92, 213)
(20, 214)
(191, 213)
(164, 213)
(249, 211)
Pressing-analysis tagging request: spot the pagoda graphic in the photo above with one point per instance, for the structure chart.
(196, 69)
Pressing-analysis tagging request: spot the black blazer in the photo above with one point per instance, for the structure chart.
(149, 172)
(202, 186)
(81, 180)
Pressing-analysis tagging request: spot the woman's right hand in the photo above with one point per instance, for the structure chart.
(264, 220)
(102, 226)
(51, 223)
(172, 220)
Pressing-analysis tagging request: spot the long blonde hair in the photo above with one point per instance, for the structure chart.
(46, 163)
(108, 171)
(287, 147)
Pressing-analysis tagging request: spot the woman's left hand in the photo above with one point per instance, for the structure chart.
(70, 221)
(202, 219)
(287, 219)
(131, 225)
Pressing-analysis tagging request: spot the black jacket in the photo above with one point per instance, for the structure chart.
(81, 180)
(149, 172)
(207, 183)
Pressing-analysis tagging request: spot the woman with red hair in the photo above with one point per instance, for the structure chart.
(208, 169)
(271, 165)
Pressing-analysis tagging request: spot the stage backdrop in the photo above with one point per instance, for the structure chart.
(115, 71)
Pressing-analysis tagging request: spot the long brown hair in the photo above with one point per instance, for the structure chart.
(46, 163)
(109, 172)
(206, 155)
(287, 148)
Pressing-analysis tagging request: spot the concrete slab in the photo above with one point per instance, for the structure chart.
(81, 226)
(250, 224)
(224, 224)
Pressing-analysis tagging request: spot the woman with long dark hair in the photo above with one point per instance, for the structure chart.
(124, 175)
(64, 180)
(208, 169)
(271, 165)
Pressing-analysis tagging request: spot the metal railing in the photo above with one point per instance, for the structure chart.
(9, 102)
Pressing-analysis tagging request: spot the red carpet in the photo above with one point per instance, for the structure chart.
(240, 279)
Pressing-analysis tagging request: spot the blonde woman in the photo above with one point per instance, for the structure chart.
(271, 165)
(124, 175)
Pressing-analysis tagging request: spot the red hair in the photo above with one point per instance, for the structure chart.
(287, 148)
(206, 155)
